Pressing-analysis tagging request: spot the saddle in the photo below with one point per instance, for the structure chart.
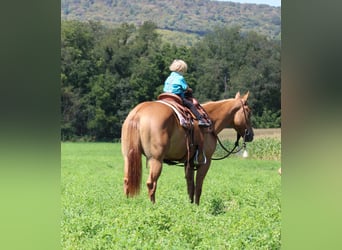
(185, 116)
(186, 119)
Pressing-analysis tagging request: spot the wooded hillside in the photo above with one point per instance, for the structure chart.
(187, 16)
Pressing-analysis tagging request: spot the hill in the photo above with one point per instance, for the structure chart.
(192, 17)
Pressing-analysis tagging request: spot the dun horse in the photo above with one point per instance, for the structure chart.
(152, 129)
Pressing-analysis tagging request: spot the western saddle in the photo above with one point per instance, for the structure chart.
(194, 134)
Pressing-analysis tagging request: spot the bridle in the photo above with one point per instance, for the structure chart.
(236, 144)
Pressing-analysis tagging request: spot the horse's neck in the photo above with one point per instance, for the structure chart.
(221, 113)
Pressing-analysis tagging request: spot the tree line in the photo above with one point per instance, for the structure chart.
(106, 71)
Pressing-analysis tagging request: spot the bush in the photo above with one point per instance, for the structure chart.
(268, 119)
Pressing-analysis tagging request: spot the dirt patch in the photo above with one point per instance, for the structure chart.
(230, 134)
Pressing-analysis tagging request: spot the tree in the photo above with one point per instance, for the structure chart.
(229, 61)
(77, 40)
(106, 71)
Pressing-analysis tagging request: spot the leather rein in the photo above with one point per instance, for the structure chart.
(236, 144)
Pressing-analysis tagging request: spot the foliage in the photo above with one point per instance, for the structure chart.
(240, 205)
(105, 72)
(268, 119)
(228, 61)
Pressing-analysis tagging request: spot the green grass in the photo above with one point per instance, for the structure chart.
(240, 204)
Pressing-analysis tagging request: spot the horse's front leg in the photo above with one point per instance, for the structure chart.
(189, 175)
(155, 170)
(201, 173)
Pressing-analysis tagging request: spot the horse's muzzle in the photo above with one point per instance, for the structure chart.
(249, 135)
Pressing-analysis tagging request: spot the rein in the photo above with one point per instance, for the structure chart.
(236, 144)
(229, 152)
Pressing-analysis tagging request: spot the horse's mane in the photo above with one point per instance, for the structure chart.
(208, 103)
(223, 100)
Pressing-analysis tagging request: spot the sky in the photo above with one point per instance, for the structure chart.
(276, 3)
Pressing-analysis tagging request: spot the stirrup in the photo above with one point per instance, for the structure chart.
(203, 123)
(196, 158)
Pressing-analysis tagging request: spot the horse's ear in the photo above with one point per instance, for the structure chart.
(245, 97)
(237, 95)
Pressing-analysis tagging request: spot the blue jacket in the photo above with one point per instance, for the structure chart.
(175, 84)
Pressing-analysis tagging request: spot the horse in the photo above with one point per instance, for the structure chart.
(152, 129)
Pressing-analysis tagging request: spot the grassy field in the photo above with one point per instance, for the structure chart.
(240, 204)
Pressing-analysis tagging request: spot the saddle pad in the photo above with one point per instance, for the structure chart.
(183, 122)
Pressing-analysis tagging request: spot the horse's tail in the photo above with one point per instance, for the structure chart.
(133, 165)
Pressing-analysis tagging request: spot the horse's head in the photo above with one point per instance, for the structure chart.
(242, 122)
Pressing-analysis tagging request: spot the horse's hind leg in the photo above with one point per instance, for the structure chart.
(189, 175)
(155, 170)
